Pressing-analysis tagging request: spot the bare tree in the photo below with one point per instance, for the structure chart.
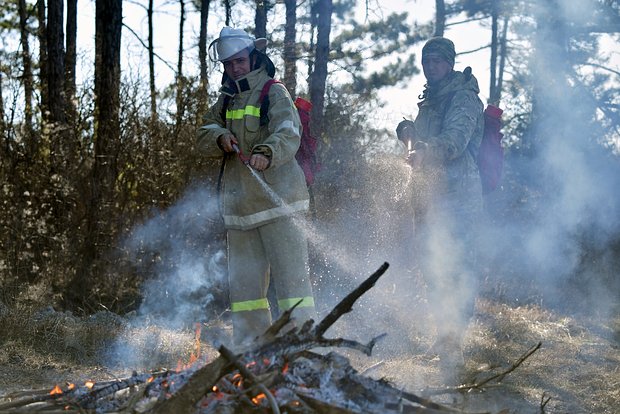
(494, 47)
(203, 100)
(2, 122)
(503, 54)
(318, 77)
(260, 18)
(180, 79)
(151, 51)
(440, 17)
(56, 61)
(41, 34)
(227, 8)
(108, 25)
(290, 46)
(70, 57)
(27, 78)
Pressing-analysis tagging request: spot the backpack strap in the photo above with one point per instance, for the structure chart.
(224, 108)
(263, 100)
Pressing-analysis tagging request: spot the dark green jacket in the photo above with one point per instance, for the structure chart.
(449, 125)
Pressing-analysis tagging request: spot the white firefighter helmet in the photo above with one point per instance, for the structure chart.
(233, 41)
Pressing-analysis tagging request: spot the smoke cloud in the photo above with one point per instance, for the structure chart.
(180, 252)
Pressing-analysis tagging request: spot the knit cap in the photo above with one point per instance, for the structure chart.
(441, 46)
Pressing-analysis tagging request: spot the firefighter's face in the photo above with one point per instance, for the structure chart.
(238, 65)
(435, 67)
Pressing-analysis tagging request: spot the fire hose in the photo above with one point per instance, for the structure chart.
(244, 159)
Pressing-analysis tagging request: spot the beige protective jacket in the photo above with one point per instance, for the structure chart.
(245, 203)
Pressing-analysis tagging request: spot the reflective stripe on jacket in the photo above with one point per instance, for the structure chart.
(245, 202)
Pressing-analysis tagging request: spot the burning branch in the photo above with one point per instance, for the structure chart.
(227, 353)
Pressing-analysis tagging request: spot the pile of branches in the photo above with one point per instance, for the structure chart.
(279, 373)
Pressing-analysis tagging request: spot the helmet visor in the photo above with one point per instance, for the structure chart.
(227, 46)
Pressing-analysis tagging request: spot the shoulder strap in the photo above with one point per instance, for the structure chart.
(446, 107)
(224, 108)
(263, 100)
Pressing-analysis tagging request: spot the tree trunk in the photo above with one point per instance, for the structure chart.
(227, 9)
(552, 94)
(260, 18)
(41, 33)
(27, 78)
(493, 99)
(108, 24)
(203, 97)
(3, 131)
(503, 53)
(56, 61)
(151, 51)
(180, 79)
(290, 46)
(70, 59)
(440, 17)
(318, 78)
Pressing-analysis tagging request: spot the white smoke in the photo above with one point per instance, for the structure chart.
(180, 254)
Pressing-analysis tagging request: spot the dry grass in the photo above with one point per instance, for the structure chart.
(577, 366)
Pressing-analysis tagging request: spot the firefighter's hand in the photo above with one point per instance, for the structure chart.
(259, 162)
(404, 130)
(226, 141)
(416, 159)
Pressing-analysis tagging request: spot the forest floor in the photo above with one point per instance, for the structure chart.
(576, 370)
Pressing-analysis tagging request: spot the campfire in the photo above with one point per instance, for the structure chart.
(280, 373)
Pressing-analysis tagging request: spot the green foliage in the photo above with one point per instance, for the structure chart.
(361, 47)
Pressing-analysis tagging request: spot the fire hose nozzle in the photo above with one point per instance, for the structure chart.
(243, 158)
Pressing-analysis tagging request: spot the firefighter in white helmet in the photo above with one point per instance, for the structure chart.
(263, 234)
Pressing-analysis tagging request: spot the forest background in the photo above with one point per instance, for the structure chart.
(106, 205)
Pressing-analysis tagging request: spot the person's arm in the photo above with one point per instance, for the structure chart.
(212, 136)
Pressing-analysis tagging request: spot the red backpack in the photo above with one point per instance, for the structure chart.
(491, 153)
(306, 154)
(490, 156)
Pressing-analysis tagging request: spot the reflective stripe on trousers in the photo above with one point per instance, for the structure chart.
(279, 250)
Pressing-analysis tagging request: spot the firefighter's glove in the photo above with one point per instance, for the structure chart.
(226, 141)
(404, 130)
(261, 158)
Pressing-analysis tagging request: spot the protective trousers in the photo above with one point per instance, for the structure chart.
(279, 250)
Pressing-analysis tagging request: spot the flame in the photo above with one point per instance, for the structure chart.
(237, 380)
(260, 397)
(151, 379)
(194, 355)
(71, 386)
(56, 390)
(89, 384)
(215, 389)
